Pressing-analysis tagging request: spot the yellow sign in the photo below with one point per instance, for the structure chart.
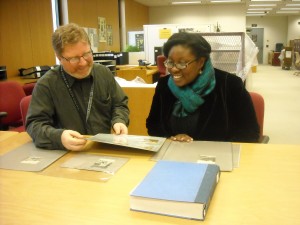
(165, 33)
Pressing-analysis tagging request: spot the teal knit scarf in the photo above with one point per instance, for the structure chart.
(190, 96)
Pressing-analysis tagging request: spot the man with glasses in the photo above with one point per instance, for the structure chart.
(198, 102)
(77, 98)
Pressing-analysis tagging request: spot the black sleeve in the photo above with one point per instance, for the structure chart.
(155, 123)
(241, 113)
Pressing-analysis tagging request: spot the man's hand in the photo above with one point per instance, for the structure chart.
(72, 140)
(182, 138)
(120, 128)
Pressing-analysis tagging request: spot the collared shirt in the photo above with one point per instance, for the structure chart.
(81, 88)
(52, 109)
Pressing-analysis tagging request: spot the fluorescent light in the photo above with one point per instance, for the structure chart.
(181, 3)
(257, 12)
(261, 9)
(224, 1)
(292, 5)
(261, 5)
(265, 0)
(285, 12)
(290, 9)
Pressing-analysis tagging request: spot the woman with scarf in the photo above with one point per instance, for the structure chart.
(198, 102)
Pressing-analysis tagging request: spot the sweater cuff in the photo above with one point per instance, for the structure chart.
(56, 139)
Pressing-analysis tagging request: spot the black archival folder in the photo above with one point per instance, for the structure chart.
(34, 72)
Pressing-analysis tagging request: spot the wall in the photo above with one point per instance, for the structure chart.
(25, 39)
(275, 31)
(293, 28)
(86, 13)
(225, 15)
(136, 15)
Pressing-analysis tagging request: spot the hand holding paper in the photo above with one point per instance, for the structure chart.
(72, 140)
(120, 128)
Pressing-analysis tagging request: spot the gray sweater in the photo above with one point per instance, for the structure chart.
(52, 109)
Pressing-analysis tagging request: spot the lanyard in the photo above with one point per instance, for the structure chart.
(74, 98)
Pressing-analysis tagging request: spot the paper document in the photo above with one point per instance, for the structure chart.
(106, 164)
(219, 153)
(149, 143)
(27, 157)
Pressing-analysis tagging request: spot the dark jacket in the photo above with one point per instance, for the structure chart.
(52, 110)
(227, 114)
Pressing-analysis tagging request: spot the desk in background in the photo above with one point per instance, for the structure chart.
(130, 73)
(139, 103)
(22, 80)
(263, 190)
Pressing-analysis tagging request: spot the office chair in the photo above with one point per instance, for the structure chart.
(278, 47)
(259, 107)
(11, 93)
(28, 88)
(24, 104)
(160, 65)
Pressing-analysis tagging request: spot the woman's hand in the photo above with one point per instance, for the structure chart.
(182, 138)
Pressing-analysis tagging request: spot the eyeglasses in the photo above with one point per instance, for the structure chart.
(75, 60)
(169, 64)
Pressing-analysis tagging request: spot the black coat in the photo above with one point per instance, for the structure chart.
(227, 114)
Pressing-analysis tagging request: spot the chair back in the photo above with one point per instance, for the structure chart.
(160, 65)
(11, 93)
(24, 104)
(259, 107)
(28, 88)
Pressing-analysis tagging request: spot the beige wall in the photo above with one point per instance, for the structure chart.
(25, 39)
(293, 28)
(26, 28)
(86, 13)
(275, 31)
(136, 15)
(230, 17)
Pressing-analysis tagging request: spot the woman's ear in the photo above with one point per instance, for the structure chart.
(201, 62)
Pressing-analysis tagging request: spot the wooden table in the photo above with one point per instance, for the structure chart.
(265, 189)
(7, 134)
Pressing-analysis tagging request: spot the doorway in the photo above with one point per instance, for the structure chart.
(257, 36)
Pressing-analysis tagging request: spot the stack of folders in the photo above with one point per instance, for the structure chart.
(179, 189)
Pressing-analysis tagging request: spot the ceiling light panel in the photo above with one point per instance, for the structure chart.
(261, 5)
(264, 9)
(265, 0)
(224, 1)
(183, 3)
(290, 9)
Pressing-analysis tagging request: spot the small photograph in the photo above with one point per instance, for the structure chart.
(102, 29)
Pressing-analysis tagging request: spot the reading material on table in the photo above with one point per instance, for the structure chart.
(179, 189)
(101, 163)
(27, 157)
(149, 143)
(219, 153)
